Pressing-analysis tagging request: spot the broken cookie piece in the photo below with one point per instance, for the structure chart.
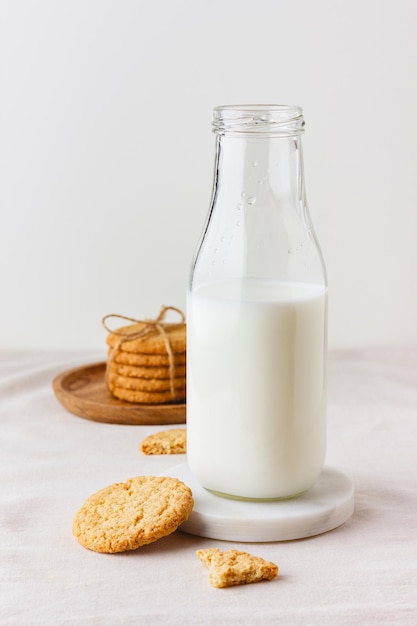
(235, 568)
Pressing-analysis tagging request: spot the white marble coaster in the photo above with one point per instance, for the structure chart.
(325, 506)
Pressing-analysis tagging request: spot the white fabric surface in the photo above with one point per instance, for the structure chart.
(364, 572)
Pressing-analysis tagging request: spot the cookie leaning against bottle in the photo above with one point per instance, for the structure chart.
(173, 441)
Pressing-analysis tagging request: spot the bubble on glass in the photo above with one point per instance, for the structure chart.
(251, 200)
(238, 223)
(222, 239)
(239, 206)
(243, 194)
(254, 163)
(290, 250)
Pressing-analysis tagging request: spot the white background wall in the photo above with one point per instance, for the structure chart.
(107, 153)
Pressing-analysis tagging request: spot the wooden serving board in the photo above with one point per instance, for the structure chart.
(83, 391)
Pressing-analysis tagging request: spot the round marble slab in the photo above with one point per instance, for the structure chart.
(324, 507)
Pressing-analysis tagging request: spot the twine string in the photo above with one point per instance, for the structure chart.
(149, 326)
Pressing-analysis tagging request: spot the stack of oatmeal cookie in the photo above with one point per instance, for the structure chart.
(147, 363)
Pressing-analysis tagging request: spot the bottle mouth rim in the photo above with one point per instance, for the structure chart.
(265, 119)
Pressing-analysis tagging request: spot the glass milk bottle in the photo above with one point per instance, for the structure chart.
(257, 316)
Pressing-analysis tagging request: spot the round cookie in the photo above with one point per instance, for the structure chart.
(159, 373)
(125, 516)
(153, 342)
(148, 397)
(145, 360)
(145, 384)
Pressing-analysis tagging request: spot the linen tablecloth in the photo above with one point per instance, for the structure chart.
(364, 572)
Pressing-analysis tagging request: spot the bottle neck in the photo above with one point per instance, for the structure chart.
(259, 153)
(260, 170)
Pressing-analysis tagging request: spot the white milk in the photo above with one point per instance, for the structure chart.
(256, 388)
